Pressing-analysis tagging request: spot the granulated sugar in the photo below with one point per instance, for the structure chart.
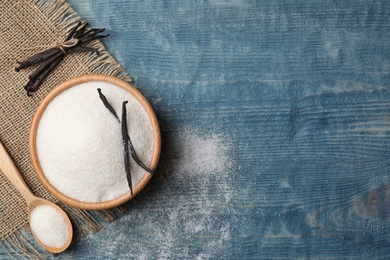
(49, 226)
(186, 216)
(200, 153)
(80, 147)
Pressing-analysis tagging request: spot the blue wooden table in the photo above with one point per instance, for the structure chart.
(296, 97)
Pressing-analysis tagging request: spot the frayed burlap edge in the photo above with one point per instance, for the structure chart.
(64, 17)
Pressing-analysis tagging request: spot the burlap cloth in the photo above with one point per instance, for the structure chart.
(27, 27)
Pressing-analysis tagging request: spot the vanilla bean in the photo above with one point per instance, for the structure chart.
(125, 140)
(37, 58)
(94, 31)
(42, 67)
(136, 159)
(33, 77)
(72, 31)
(131, 147)
(43, 75)
(90, 38)
(80, 31)
(107, 104)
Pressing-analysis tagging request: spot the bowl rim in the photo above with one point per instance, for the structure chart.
(33, 131)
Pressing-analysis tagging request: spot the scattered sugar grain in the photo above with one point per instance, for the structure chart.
(79, 142)
(201, 154)
(198, 158)
(49, 226)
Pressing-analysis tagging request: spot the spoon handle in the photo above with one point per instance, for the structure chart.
(10, 170)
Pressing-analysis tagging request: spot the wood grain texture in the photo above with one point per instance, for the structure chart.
(300, 92)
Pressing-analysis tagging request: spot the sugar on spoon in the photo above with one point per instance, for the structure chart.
(8, 167)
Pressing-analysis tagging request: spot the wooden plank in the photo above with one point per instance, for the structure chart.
(300, 91)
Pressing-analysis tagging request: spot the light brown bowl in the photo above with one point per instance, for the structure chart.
(33, 131)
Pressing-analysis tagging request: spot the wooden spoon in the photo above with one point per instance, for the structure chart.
(8, 167)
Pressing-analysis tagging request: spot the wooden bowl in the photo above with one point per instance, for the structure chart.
(33, 133)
